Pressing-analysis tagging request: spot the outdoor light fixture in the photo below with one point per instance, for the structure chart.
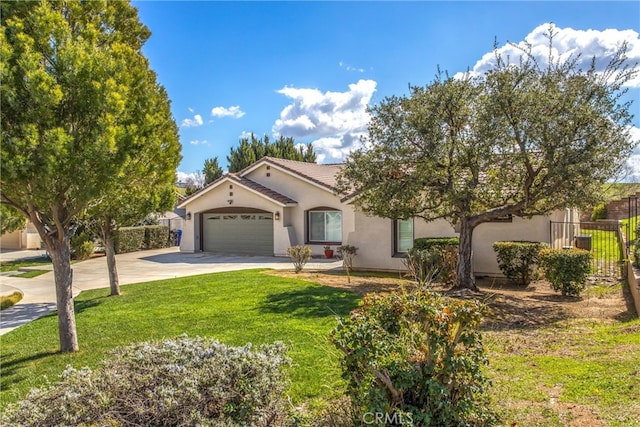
(188, 216)
(276, 216)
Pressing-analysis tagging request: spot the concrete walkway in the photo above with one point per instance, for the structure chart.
(39, 296)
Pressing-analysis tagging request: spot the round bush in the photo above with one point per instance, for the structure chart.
(566, 269)
(518, 260)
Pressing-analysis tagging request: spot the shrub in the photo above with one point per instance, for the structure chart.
(599, 212)
(414, 356)
(299, 255)
(7, 301)
(566, 269)
(183, 381)
(156, 236)
(128, 239)
(346, 253)
(82, 246)
(518, 260)
(446, 249)
(422, 266)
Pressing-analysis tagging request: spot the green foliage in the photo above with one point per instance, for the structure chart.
(519, 260)
(7, 301)
(82, 246)
(129, 239)
(211, 170)
(566, 269)
(445, 251)
(182, 381)
(156, 236)
(422, 265)
(10, 219)
(299, 255)
(471, 150)
(416, 355)
(253, 149)
(599, 212)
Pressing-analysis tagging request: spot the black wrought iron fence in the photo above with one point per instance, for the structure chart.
(602, 238)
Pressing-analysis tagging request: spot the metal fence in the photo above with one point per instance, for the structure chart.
(602, 238)
(173, 223)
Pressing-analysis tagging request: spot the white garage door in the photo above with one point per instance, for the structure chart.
(238, 233)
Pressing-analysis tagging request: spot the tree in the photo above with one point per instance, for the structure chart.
(70, 73)
(253, 149)
(523, 139)
(211, 170)
(10, 219)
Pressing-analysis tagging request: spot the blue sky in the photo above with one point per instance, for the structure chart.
(309, 69)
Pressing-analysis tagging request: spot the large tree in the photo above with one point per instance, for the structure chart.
(522, 139)
(252, 149)
(10, 219)
(69, 72)
(211, 170)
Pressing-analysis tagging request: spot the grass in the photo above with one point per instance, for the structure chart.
(28, 262)
(7, 301)
(613, 191)
(545, 375)
(236, 308)
(31, 273)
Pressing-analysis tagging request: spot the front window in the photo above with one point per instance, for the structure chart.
(404, 235)
(325, 226)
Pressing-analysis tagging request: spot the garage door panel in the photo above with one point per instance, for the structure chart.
(240, 233)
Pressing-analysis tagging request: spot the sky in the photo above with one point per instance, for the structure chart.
(309, 70)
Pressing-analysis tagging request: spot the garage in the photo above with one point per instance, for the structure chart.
(238, 233)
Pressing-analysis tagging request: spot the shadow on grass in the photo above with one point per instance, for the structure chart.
(10, 366)
(80, 306)
(311, 302)
(512, 313)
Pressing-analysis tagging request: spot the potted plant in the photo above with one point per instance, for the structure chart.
(328, 252)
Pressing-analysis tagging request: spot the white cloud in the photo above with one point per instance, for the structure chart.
(234, 112)
(198, 142)
(348, 67)
(245, 134)
(567, 41)
(337, 120)
(184, 176)
(195, 122)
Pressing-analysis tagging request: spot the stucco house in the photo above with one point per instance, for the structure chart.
(25, 238)
(276, 203)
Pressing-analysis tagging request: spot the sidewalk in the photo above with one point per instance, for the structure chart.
(39, 296)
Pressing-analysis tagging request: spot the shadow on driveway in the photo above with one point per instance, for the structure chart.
(23, 313)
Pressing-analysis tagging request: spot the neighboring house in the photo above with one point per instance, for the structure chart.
(274, 204)
(26, 238)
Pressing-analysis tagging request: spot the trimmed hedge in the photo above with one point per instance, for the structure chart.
(446, 251)
(566, 269)
(518, 260)
(156, 236)
(128, 239)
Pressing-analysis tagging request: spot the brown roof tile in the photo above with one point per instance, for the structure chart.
(324, 175)
(274, 195)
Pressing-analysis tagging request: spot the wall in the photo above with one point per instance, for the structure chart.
(308, 196)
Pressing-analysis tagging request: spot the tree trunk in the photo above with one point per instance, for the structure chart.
(61, 258)
(110, 251)
(464, 269)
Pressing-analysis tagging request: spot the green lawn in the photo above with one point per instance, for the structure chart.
(235, 307)
(18, 264)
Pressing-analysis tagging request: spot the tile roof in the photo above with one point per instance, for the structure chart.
(325, 175)
(274, 195)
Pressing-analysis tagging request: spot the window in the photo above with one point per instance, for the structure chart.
(403, 235)
(325, 226)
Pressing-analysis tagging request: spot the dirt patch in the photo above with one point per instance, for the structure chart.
(510, 306)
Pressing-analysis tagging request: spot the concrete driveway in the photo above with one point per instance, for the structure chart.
(39, 296)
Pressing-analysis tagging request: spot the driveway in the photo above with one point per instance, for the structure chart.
(39, 296)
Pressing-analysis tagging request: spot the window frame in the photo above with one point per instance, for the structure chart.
(323, 210)
(396, 237)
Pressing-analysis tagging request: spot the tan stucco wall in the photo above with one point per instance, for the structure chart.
(27, 238)
(308, 196)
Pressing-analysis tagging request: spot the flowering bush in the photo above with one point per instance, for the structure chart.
(416, 357)
(183, 381)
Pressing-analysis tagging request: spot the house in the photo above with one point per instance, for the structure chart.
(274, 204)
(25, 238)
